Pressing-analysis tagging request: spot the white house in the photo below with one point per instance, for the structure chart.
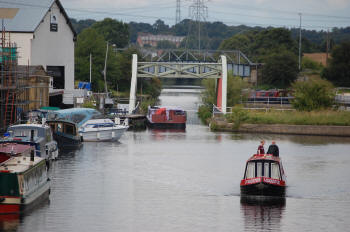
(44, 36)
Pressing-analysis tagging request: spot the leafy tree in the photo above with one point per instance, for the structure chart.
(113, 31)
(235, 85)
(159, 27)
(258, 44)
(280, 69)
(80, 25)
(313, 94)
(89, 41)
(339, 68)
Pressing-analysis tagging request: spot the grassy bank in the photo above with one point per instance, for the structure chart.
(330, 117)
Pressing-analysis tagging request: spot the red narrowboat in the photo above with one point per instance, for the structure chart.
(166, 118)
(23, 178)
(264, 175)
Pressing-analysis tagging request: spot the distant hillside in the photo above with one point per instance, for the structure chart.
(213, 33)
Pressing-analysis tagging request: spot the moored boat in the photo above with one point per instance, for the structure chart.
(66, 134)
(23, 178)
(101, 130)
(166, 118)
(264, 175)
(36, 135)
(91, 124)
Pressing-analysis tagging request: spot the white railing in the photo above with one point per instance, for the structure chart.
(218, 110)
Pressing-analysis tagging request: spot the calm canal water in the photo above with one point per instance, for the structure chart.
(157, 180)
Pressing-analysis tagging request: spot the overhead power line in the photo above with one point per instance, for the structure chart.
(230, 5)
(114, 12)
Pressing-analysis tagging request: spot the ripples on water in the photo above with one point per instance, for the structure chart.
(163, 180)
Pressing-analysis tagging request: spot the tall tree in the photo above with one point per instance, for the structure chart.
(91, 42)
(338, 71)
(280, 69)
(113, 31)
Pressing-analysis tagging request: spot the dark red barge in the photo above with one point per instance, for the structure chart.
(166, 118)
(264, 176)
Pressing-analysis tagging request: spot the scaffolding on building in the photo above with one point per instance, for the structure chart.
(16, 86)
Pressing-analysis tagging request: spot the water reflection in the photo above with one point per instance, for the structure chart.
(262, 213)
(161, 134)
(11, 222)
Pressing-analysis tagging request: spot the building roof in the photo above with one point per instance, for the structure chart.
(30, 14)
(31, 69)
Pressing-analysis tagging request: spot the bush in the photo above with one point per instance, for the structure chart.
(237, 116)
(313, 94)
(307, 63)
(147, 102)
(204, 113)
(89, 104)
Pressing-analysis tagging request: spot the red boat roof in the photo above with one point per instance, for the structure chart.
(13, 148)
(264, 157)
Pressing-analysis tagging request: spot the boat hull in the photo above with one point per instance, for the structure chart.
(166, 125)
(65, 143)
(102, 135)
(263, 189)
(15, 205)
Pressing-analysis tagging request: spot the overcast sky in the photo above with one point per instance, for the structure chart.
(316, 14)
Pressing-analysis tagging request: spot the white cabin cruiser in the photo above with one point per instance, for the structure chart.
(101, 130)
(91, 124)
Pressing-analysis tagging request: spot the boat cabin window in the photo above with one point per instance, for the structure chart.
(69, 129)
(262, 169)
(250, 173)
(108, 125)
(179, 112)
(59, 127)
(266, 169)
(275, 171)
(21, 132)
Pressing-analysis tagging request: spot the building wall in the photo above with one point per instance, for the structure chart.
(54, 48)
(23, 43)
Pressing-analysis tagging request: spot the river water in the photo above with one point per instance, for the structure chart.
(157, 180)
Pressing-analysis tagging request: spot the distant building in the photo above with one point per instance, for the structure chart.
(153, 40)
(45, 36)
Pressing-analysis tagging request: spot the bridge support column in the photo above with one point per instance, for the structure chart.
(133, 87)
(224, 84)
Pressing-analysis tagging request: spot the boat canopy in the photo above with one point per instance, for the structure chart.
(76, 115)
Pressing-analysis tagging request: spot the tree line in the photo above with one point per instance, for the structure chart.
(214, 33)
